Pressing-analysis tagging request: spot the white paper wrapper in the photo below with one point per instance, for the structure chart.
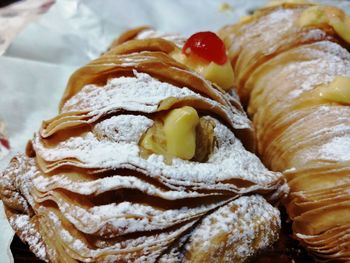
(36, 67)
(16, 16)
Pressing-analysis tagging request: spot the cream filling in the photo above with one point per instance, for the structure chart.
(336, 91)
(221, 75)
(318, 15)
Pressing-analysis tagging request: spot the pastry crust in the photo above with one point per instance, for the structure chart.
(87, 195)
(280, 67)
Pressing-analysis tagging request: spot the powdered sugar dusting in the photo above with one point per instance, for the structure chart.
(140, 93)
(22, 224)
(112, 144)
(150, 246)
(299, 130)
(123, 128)
(229, 159)
(96, 197)
(121, 218)
(337, 149)
(106, 184)
(326, 61)
(251, 215)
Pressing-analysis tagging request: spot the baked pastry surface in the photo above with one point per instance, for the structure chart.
(98, 184)
(292, 71)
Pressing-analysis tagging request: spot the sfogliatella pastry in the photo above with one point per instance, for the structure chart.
(292, 70)
(144, 163)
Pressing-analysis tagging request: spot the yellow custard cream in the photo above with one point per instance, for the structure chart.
(175, 136)
(318, 15)
(336, 91)
(180, 132)
(279, 2)
(222, 75)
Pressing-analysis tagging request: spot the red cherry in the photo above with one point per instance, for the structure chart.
(5, 143)
(206, 45)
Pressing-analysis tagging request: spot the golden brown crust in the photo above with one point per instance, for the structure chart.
(128, 35)
(278, 66)
(90, 195)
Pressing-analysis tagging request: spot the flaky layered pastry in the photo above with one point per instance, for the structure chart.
(108, 179)
(292, 70)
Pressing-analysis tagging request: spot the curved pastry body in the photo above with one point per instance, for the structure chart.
(294, 80)
(88, 188)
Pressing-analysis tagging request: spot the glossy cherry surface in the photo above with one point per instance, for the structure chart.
(206, 45)
(5, 143)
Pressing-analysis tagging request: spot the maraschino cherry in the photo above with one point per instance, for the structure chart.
(206, 45)
(5, 143)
